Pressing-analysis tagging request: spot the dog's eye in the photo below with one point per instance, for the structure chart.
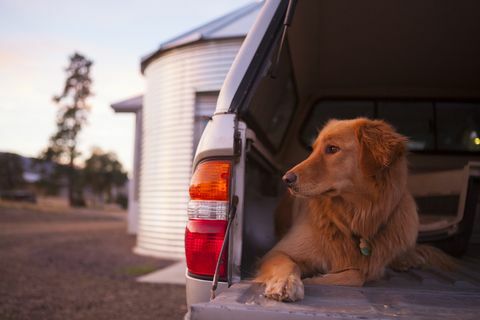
(331, 149)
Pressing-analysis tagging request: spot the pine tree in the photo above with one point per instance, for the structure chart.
(71, 118)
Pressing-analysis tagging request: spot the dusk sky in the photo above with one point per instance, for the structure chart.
(36, 39)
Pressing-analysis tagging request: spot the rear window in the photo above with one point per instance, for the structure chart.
(430, 126)
(458, 126)
(331, 109)
(413, 119)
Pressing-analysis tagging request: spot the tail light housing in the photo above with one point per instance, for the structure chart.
(207, 217)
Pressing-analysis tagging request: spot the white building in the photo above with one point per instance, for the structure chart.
(183, 79)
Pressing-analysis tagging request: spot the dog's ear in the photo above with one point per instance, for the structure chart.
(380, 145)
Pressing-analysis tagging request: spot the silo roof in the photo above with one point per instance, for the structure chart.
(235, 24)
(132, 104)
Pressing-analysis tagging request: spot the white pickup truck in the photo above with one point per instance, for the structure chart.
(413, 63)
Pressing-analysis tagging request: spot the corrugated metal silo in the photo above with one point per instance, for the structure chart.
(183, 78)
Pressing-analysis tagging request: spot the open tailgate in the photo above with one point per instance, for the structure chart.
(417, 294)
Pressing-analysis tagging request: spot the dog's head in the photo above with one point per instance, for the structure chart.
(347, 156)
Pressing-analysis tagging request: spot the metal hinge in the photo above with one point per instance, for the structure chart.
(237, 144)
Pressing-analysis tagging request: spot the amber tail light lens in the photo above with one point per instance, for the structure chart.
(210, 181)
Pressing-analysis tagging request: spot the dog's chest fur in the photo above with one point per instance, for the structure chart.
(335, 245)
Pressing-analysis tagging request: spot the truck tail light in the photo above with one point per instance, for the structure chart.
(207, 217)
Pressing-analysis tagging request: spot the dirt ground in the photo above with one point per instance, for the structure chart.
(77, 266)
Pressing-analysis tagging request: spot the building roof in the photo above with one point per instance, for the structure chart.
(129, 105)
(235, 24)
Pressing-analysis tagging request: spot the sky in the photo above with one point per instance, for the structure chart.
(36, 39)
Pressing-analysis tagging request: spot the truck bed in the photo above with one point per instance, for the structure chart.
(416, 294)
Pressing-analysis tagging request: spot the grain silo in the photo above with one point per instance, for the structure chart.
(183, 78)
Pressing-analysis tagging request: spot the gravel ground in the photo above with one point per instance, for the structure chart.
(77, 266)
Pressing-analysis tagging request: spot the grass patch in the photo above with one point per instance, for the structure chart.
(135, 271)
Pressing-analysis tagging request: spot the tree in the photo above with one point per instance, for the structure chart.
(11, 171)
(50, 176)
(102, 172)
(71, 118)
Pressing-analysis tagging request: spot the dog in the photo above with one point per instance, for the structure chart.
(350, 211)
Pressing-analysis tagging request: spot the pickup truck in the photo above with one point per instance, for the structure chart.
(412, 63)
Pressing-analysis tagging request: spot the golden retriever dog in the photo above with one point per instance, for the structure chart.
(350, 211)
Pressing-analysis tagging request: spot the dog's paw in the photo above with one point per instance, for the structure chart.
(285, 289)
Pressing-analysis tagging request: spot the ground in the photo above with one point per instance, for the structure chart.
(77, 265)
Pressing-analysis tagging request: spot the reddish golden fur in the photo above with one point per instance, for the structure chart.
(357, 192)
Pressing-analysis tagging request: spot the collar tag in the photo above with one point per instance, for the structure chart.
(365, 247)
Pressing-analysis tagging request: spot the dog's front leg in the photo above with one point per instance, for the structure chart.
(350, 277)
(281, 277)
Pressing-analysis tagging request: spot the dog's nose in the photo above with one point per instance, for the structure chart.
(290, 179)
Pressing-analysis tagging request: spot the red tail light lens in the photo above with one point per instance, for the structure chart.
(203, 242)
(207, 213)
